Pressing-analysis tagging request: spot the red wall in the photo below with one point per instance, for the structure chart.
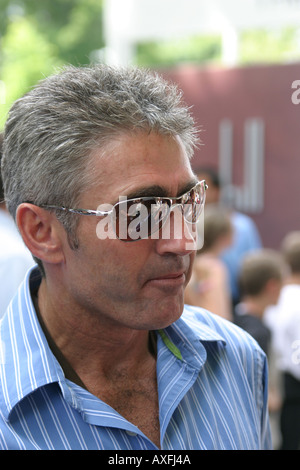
(240, 93)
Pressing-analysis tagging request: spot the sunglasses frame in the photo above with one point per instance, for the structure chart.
(172, 202)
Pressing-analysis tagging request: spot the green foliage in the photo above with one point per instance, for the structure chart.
(199, 50)
(82, 34)
(270, 46)
(26, 58)
(255, 46)
(38, 36)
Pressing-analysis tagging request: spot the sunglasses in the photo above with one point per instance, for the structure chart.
(142, 218)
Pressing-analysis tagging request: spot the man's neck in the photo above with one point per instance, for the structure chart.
(107, 350)
(115, 365)
(255, 307)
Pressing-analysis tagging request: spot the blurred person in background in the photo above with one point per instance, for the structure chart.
(286, 322)
(260, 281)
(209, 285)
(261, 278)
(15, 258)
(246, 237)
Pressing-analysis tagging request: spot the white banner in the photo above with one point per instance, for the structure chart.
(139, 20)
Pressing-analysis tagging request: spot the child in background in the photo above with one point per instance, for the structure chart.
(260, 280)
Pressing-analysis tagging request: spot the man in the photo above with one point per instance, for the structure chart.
(97, 349)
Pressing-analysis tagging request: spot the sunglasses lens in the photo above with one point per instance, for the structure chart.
(139, 218)
(159, 211)
(193, 204)
(191, 212)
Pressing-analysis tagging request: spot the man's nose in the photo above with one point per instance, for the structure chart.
(177, 236)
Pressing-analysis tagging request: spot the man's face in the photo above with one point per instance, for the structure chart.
(138, 284)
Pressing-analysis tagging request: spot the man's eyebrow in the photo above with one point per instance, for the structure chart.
(187, 187)
(159, 191)
(147, 191)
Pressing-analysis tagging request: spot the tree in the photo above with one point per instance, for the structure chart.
(275, 46)
(37, 37)
(26, 58)
(196, 50)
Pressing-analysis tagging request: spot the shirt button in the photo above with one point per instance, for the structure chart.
(131, 433)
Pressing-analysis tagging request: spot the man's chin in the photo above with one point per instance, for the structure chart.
(169, 312)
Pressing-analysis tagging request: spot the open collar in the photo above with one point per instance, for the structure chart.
(27, 362)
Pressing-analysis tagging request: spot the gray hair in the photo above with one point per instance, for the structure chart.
(51, 131)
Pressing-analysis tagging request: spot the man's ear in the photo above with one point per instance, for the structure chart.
(41, 232)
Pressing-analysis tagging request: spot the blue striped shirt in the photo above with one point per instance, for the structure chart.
(212, 388)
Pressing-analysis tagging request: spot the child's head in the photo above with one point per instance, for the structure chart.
(218, 229)
(291, 251)
(261, 276)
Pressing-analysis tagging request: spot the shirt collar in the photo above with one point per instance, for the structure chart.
(27, 363)
(26, 360)
(188, 337)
